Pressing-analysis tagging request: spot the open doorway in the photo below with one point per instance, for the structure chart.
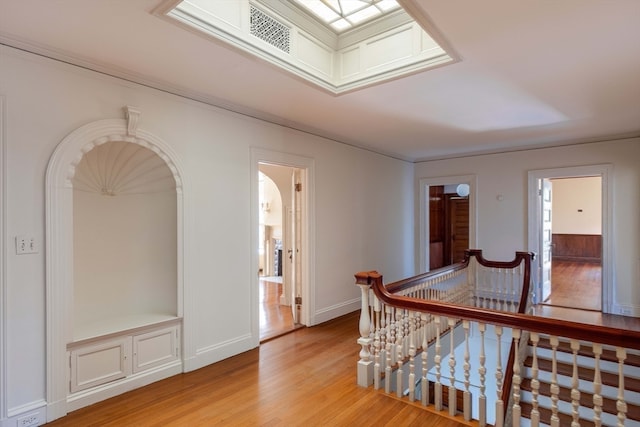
(448, 224)
(576, 243)
(569, 228)
(447, 220)
(279, 249)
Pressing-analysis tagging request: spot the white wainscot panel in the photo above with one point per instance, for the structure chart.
(100, 363)
(349, 62)
(313, 54)
(220, 11)
(155, 348)
(388, 49)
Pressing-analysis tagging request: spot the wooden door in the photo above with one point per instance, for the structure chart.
(436, 226)
(458, 227)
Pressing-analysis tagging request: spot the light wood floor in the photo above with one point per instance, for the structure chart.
(576, 285)
(275, 319)
(305, 378)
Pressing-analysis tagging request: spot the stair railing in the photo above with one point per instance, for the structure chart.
(407, 324)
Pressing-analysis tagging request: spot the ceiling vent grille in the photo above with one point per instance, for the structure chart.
(268, 29)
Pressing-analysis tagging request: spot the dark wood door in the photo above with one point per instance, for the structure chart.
(458, 228)
(436, 226)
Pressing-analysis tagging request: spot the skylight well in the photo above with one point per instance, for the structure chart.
(345, 14)
(337, 45)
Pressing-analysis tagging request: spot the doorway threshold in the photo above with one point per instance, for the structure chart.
(278, 334)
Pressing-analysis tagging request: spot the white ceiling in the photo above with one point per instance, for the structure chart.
(533, 73)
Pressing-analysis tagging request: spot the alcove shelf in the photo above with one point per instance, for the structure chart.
(126, 324)
(134, 323)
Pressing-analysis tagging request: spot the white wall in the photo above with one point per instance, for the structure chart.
(577, 205)
(363, 219)
(124, 256)
(502, 224)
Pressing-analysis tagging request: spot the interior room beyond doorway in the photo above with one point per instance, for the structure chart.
(576, 268)
(276, 301)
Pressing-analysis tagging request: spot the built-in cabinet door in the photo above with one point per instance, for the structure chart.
(100, 363)
(155, 348)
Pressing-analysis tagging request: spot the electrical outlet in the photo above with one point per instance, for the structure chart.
(28, 420)
(26, 245)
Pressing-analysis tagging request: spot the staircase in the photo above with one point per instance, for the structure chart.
(585, 375)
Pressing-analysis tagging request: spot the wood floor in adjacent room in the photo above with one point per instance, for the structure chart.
(576, 285)
(305, 378)
(275, 319)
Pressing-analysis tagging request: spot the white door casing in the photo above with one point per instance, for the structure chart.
(297, 249)
(307, 253)
(546, 247)
(424, 184)
(535, 177)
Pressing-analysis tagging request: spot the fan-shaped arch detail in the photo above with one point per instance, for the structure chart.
(114, 166)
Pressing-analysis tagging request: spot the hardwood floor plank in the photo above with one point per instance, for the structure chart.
(275, 319)
(576, 285)
(305, 378)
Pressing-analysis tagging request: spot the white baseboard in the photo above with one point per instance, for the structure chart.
(217, 352)
(96, 394)
(337, 310)
(36, 411)
(626, 310)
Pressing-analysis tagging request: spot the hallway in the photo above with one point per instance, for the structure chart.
(306, 378)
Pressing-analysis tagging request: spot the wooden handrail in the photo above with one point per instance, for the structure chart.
(568, 329)
(396, 287)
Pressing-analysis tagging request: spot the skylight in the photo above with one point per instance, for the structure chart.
(322, 41)
(342, 15)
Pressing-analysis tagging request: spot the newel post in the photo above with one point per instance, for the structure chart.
(365, 365)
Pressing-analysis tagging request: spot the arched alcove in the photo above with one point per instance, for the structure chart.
(124, 240)
(114, 221)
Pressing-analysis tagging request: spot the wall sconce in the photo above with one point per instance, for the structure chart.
(265, 206)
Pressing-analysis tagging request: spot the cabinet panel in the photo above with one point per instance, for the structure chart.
(100, 363)
(155, 348)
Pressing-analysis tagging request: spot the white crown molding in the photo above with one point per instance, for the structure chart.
(25, 48)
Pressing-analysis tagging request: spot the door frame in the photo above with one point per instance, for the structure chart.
(605, 171)
(3, 264)
(307, 167)
(424, 184)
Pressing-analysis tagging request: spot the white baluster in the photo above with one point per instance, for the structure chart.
(389, 350)
(621, 405)
(555, 390)
(412, 354)
(597, 386)
(466, 405)
(575, 392)
(365, 364)
(377, 338)
(499, 403)
(437, 388)
(482, 401)
(452, 368)
(516, 411)
(535, 383)
(400, 339)
(424, 384)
